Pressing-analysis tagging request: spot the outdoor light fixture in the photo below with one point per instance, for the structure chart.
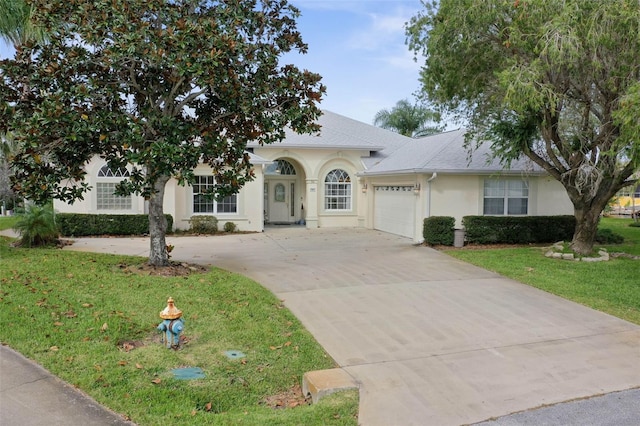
(364, 188)
(416, 188)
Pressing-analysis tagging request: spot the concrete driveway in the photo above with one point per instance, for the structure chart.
(431, 340)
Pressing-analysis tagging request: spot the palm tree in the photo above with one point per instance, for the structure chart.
(16, 28)
(408, 120)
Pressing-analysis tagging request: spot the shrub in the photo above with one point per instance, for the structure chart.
(37, 226)
(438, 230)
(607, 236)
(80, 225)
(202, 224)
(230, 227)
(518, 229)
(635, 224)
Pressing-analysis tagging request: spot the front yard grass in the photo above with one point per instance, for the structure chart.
(612, 287)
(8, 222)
(91, 319)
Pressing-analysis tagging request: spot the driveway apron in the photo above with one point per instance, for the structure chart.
(431, 340)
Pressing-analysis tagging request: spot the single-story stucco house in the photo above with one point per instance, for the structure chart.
(350, 174)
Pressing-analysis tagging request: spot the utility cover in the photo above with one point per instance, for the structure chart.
(234, 354)
(189, 373)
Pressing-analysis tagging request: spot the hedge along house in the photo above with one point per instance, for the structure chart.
(351, 174)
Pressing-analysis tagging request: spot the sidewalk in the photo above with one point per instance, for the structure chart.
(31, 396)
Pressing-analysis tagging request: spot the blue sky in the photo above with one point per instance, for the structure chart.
(358, 48)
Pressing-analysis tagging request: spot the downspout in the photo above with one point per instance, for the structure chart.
(433, 176)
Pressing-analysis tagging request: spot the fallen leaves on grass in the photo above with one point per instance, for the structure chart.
(289, 398)
(174, 269)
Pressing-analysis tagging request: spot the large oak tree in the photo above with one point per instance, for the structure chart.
(156, 85)
(557, 81)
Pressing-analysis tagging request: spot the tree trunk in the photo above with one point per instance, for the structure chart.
(158, 254)
(584, 237)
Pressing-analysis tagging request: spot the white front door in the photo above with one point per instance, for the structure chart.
(282, 201)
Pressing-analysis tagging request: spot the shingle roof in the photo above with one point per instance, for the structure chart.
(340, 132)
(445, 152)
(392, 153)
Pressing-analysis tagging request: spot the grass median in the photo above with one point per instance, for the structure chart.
(91, 319)
(612, 287)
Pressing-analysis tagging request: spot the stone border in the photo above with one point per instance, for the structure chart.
(555, 252)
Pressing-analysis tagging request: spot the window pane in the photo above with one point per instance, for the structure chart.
(202, 201)
(107, 200)
(337, 190)
(493, 188)
(227, 204)
(517, 206)
(517, 188)
(494, 206)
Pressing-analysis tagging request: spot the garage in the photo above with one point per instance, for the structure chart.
(394, 210)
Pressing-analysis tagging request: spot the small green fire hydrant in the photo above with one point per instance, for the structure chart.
(172, 325)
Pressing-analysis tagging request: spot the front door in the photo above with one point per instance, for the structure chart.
(281, 201)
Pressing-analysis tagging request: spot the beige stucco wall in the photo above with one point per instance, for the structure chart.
(178, 201)
(462, 195)
(443, 195)
(89, 203)
(249, 203)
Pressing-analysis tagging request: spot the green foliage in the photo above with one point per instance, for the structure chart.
(518, 229)
(91, 320)
(37, 226)
(555, 81)
(438, 230)
(161, 86)
(607, 236)
(408, 120)
(81, 225)
(635, 224)
(203, 224)
(230, 227)
(15, 22)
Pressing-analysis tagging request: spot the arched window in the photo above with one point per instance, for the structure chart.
(280, 167)
(106, 186)
(337, 190)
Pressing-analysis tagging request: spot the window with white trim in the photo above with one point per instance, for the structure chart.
(204, 201)
(506, 197)
(106, 199)
(337, 190)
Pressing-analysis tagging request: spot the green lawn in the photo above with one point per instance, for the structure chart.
(612, 287)
(7, 222)
(79, 314)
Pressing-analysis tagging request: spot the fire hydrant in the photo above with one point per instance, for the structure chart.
(172, 325)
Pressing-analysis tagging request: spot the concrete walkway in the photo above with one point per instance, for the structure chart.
(430, 340)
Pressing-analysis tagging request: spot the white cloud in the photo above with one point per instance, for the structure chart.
(402, 60)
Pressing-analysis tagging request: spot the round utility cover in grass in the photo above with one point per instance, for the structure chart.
(189, 373)
(234, 354)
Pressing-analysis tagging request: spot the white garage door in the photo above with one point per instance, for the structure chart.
(394, 210)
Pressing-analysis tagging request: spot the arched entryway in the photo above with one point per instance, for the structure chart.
(284, 192)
